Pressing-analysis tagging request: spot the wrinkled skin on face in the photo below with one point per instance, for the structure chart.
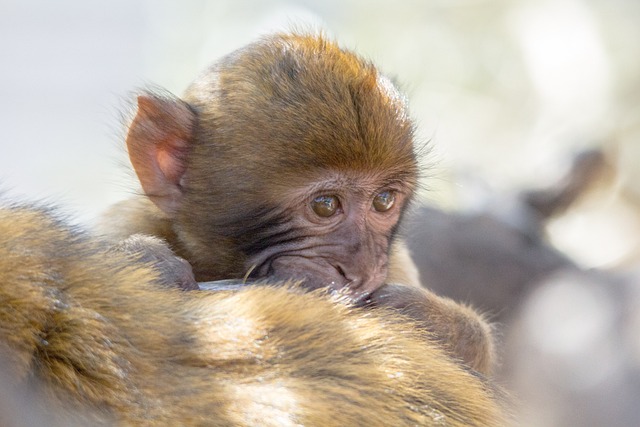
(339, 232)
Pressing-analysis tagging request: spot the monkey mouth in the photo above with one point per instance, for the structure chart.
(312, 273)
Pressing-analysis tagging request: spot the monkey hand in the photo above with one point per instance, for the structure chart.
(174, 271)
(458, 328)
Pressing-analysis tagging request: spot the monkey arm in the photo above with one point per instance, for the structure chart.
(154, 251)
(459, 329)
(462, 331)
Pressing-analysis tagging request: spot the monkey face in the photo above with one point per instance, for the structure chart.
(337, 235)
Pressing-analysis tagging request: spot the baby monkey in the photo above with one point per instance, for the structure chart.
(291, 158)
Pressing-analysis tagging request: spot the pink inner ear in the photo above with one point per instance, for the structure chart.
(159, 140)
(172, 161)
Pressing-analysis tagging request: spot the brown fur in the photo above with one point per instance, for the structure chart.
(94, 329)
(232, 165)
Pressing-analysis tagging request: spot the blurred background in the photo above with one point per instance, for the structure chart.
(507, 92)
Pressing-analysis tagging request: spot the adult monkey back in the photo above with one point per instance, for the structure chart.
(290, 158)
(96, 335)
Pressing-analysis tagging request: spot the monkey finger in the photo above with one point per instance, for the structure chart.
(174, 271)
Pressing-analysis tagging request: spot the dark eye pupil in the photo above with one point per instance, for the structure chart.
(325, 206)
(384, 201)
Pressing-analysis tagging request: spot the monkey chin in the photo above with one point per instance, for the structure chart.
(319, 273)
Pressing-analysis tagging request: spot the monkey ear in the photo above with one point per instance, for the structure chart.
(159, 140)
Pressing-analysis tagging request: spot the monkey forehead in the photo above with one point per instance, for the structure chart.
(344, 181)
(301, 99)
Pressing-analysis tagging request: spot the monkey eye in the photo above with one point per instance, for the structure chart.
(384, 201)
(325, 206)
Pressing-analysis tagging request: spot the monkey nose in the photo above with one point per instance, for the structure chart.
(358, 283)
(350, 280)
